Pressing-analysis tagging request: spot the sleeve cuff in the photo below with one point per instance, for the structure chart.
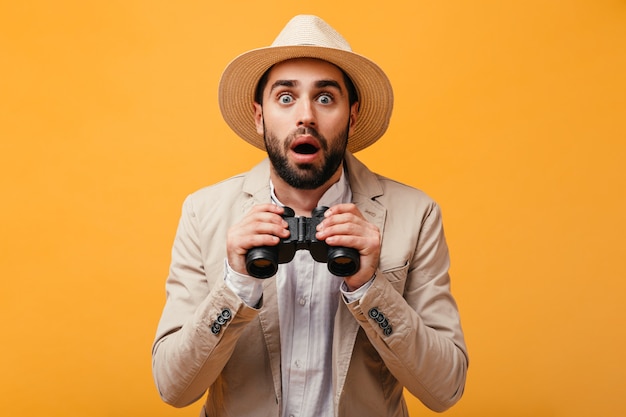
(351, 296)
(248, 288)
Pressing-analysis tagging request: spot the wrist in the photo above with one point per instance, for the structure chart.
(356, 294)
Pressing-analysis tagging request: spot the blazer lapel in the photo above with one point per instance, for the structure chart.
(365, 188)
(256, 187)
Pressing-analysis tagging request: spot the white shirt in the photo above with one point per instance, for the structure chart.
(308, 295)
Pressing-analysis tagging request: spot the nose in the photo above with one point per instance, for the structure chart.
(306, 114)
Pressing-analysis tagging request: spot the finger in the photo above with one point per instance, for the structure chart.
(342, 208)
(345, 224)
(265, 213)
(259, 229)
(261, 226)
(364, 244)
(269, 208)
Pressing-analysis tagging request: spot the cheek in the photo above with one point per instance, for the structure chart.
(339, 124)
(278, 126)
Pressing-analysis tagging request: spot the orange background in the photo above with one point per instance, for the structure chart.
(511, 114)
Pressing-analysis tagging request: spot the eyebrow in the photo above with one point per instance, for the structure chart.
(318, 84)
(328, 83)
(283, 83)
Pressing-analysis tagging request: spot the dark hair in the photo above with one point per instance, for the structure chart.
(353, 96)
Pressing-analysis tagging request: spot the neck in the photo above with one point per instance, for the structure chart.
(301, 201)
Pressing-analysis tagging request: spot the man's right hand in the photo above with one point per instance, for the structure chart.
(262, 226)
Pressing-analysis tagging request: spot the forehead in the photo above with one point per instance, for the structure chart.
(305, 68)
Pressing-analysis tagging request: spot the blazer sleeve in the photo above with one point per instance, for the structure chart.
(201, 321)
(412, 320)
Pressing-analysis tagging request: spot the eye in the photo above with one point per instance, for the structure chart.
(285, 98)
(325, 98)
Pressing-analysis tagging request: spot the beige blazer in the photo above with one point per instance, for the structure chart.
(404, 333)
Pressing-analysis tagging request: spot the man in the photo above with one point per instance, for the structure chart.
(306, 342)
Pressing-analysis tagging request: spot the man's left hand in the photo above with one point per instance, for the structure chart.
(344, 225)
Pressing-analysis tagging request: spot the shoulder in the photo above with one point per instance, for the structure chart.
(232, 185)
(224, 200)
(374, 186)
(215, 193)
(237, 191)
(408, 205)
(395, 191)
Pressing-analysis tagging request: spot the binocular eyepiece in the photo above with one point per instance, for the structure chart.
(262, 261)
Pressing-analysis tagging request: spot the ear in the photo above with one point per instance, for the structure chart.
(258, 118)
(354, 113)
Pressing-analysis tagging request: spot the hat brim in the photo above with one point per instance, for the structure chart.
(239, 80)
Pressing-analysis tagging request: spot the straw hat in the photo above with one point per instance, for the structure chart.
(307, 36)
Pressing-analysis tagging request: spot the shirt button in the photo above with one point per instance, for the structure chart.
(302, 301)
(298, 363)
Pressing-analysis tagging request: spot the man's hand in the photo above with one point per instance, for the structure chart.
(344, 225)
(262, 226)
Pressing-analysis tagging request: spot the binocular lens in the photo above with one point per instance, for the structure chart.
(342, 267)
(261, 262)
(343, 262)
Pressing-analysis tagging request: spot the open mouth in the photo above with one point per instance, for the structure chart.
(305, 149)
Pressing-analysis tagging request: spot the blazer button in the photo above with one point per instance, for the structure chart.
(215, 329)
(387, 331)
(380, 318)
(373, 313)
(220, 320)
(226, 314)
(384, 324)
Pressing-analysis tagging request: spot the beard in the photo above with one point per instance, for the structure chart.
(306, 176)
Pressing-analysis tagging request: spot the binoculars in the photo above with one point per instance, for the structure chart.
(262, 261)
